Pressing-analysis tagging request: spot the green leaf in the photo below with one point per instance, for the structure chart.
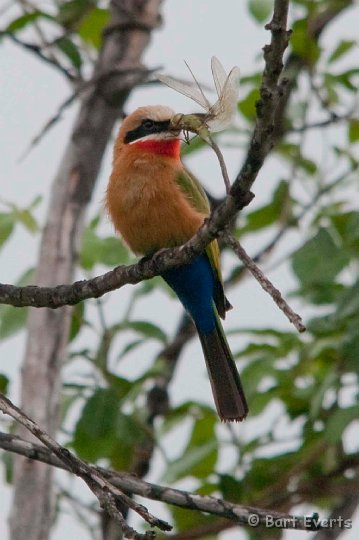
(303, 44)
(6, 227)
(347, 226)
(26, 218)
(348, 303)
(260, 401)
(350, 351)
(316, 402)
(293, 153)
(253, 80)
(272, 212)
(122, 386)
(24, 20)
(230, 487)
(185, 521)
(341, 49)
(146, 329)
(96, 250)
(92, 26)
(8, 460)
(338, 422)
(131, 346)
(247, 106)
(96, 431)
(68, 47)
(260, 9)
(353, 130)
(319, 260)
(200, 456)
(13, 319)
(72, 12)
(4, 383)
(77, 320)
(194, 462)
(347, 79)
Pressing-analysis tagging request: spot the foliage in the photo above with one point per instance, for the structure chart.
(302, 388)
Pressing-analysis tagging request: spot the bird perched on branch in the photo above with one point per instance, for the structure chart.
(154, 203)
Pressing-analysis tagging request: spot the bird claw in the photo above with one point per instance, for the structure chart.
(156, 257)
(143, 261)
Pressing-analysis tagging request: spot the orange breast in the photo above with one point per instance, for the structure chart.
(146, 206)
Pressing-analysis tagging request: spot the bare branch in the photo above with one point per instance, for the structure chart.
(264, 282)
(271, 93)
(240, 514)
(37, 50)
(54, 297)
(147, 268)
(108, 495)
(333, 119)
(94, 82)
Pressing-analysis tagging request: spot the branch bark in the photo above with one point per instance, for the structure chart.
(31, 515)
(237, 513)
(108, 495)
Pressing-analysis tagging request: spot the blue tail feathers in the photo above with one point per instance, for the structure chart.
(194, 285)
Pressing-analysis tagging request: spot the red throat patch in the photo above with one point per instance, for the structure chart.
(169, 147)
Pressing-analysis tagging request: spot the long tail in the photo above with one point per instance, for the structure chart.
(225, 382)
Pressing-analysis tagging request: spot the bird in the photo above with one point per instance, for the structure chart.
(154, 202)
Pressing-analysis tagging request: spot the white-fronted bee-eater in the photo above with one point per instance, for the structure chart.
(154, 203)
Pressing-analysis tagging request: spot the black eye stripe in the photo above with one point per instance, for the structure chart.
(147, 127)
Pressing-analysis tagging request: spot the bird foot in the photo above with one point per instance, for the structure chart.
(158, 256)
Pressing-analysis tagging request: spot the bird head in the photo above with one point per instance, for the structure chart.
(148, 123)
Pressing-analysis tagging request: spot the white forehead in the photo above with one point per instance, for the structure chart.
(159, 113)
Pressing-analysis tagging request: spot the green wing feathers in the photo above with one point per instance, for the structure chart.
(194, 192)
(197, 197)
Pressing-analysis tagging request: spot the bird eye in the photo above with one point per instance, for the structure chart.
(148, 123)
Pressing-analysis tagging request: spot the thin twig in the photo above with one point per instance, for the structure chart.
(37, 50)
(222, 163)
(264, 282)
(333, 119)
(49, 124)
(84, 86)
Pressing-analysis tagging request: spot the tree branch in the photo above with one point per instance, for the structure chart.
(240, 514)
(61, 295)
(264, 282)
(109, 496)
(271, 93)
